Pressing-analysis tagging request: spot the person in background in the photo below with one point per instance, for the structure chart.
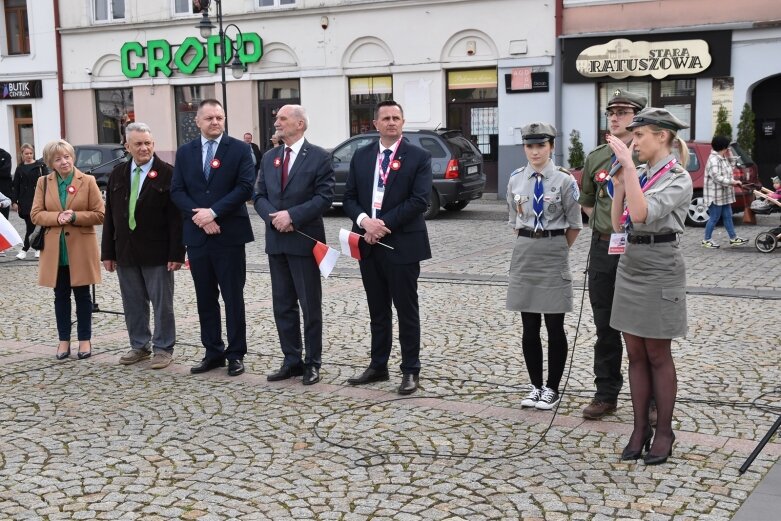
(256, 154)
(70, 261)
(596, 199)
(545, 215)
(23, 191)
(142, 241)
(649, 305)
(719, 192)
(213, 180)
(276, 139)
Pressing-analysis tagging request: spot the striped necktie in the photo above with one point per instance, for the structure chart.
(539, 192)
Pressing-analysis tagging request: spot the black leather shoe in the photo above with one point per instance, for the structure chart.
(652, 459)
(235, 367)
(369, 375)
(311, 375)
(64, 354)
(629, 454)
(207, 365)
(409, 383)
(285, 372)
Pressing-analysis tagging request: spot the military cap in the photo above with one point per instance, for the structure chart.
(537, 133)
(659, 117)
(623, 98)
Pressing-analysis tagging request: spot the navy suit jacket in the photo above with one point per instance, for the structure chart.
(226, 192)
(404, 202)
(307, 195)
(157, 238)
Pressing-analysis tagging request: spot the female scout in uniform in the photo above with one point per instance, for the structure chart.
(649, 305)
(545, 213)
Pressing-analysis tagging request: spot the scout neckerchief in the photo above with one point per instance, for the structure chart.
(625, 220)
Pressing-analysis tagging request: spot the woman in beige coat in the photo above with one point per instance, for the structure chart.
(70, 260)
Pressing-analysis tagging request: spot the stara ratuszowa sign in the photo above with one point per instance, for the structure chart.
(623, 58)
(160, 57)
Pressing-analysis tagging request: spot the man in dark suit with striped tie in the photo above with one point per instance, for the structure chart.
(213, 178)
(387, 192)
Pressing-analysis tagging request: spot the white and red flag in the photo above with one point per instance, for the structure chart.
(349, 241)
(8, 235)
(326, 257)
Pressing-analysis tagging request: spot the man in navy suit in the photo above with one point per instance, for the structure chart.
(387, 192)
(295, 187)
(213, 178)
(142, 241)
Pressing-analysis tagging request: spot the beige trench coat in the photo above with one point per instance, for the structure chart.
(80, 237)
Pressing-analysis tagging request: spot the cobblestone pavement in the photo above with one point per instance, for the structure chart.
(95, 440)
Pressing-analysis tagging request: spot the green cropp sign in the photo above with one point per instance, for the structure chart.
(161, 58)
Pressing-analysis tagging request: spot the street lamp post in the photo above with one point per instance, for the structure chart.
(206, 27)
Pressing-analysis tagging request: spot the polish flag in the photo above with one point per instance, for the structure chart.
(349, 241)
(326, 257)
(8, 235)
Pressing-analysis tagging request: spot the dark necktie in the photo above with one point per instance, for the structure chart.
(384, 166)
(285, 165)
(539, 192)
(207, 164)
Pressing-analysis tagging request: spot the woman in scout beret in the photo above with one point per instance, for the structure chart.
(70, 261)
(649, 306)
(545, 214)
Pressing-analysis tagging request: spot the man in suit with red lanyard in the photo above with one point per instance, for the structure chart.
(142, 241)
(295, 187)
(213, 179)
(387, 192)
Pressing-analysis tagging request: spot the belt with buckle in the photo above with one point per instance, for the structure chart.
(651, 239)
(602, 236)
(538, 235)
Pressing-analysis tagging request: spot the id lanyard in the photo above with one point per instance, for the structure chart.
(384, 175)
(666, 168)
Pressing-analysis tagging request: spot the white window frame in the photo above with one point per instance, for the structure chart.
(109, 12)
(277, 5)
(189, 11)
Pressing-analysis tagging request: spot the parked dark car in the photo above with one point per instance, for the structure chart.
(745, 171)
(100, 160)
(456, 163)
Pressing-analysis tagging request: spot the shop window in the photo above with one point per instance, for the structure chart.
(187, 99)
(184, 7)
(365, 93)
(276, 3)
(16, 27)
(108, 10)
(114, 110)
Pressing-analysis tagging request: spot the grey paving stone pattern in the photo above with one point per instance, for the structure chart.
(95, 440)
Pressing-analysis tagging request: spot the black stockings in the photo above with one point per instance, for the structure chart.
(532, 347)
(651, 373)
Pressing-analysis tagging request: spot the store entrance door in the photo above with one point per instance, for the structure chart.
(273, 96)
(23, 127)
(477, 121)
(766, 103)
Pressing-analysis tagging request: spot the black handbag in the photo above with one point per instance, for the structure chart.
(37, 237)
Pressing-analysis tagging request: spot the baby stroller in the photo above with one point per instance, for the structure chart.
(767, 241)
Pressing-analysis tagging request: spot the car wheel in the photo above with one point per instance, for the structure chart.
(456, 206)
(433, 205)
(697, 214)
(766, 242)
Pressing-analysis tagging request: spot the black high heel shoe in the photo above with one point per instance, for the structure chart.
(83, 355)
(629, 454)
(651, 459)
(64, 354)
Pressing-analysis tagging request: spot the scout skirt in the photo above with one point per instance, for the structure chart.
(540, 280)
(650, 295)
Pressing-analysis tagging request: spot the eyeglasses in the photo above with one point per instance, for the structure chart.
(619, 113)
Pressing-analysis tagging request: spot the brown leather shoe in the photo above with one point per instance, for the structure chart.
(597, 409)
